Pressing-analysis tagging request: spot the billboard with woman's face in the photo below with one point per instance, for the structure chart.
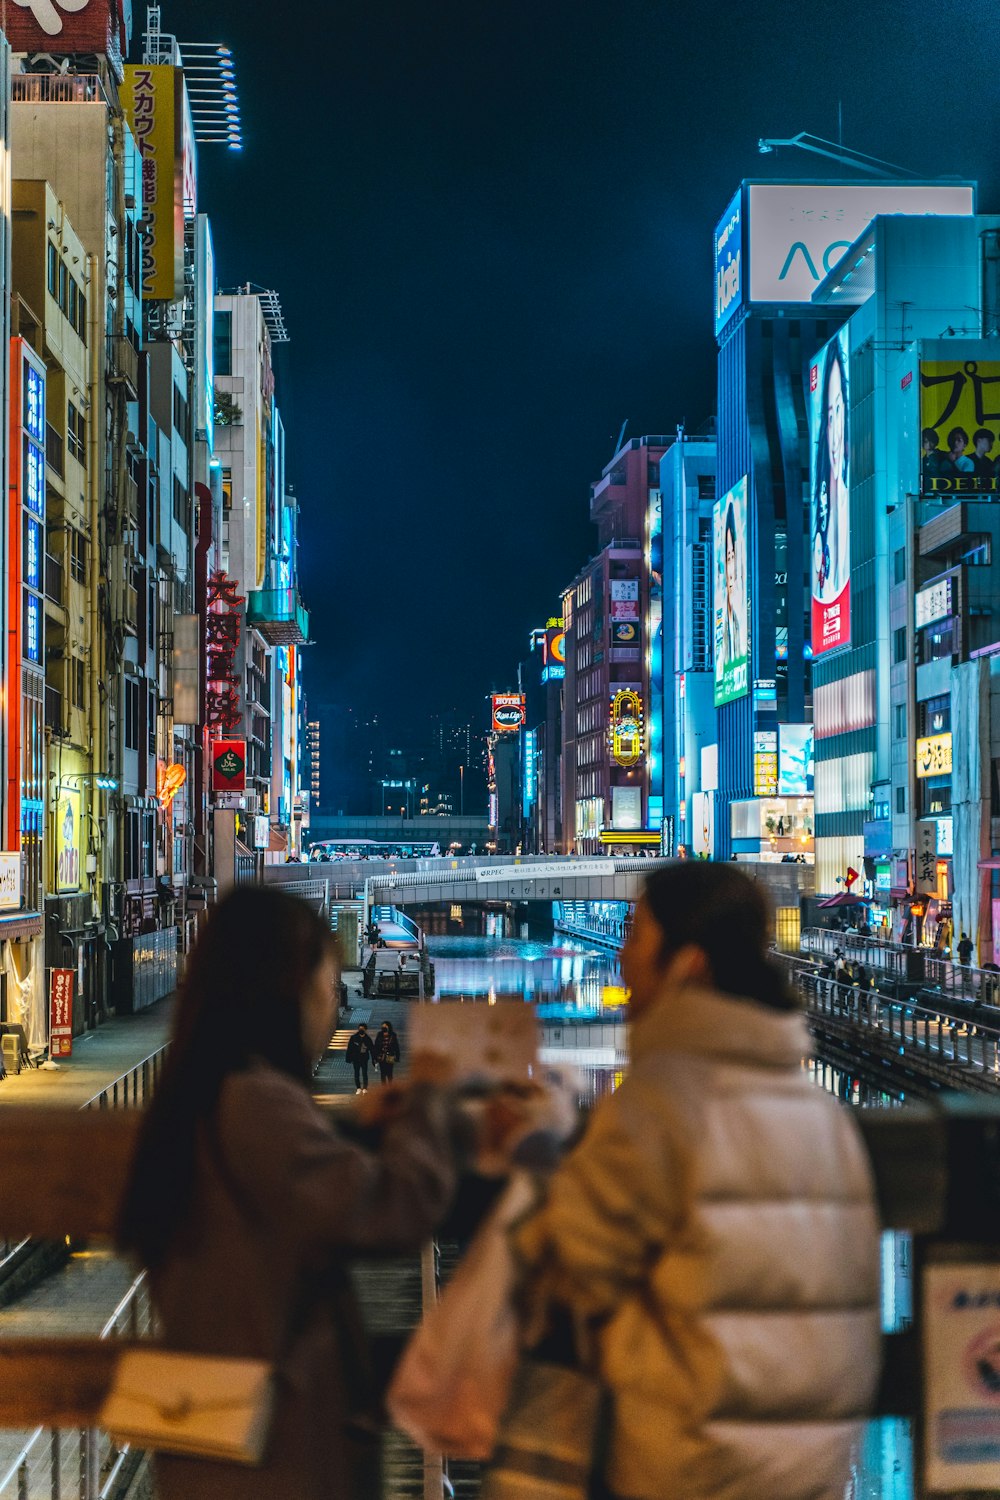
(830, 517)
(730, 595)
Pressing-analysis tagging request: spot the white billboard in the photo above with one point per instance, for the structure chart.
(799, 231)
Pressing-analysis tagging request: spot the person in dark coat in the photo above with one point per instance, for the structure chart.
(386, 1051)
(245, 1201)
(360, 1051)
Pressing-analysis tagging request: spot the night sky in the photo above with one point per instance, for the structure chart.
(490, 226)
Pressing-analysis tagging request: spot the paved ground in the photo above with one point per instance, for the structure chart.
(98, 1058)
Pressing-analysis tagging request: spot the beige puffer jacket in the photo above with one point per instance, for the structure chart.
(719, 1214)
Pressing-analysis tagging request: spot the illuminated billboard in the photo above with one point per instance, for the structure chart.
(626, 738)
(730, 258)
(154, 105)
(69, 839)
(730, 594)
(830, 489)
(509, 712)
(796, 768)
(959, 427)
(934, 756)
(797, 232)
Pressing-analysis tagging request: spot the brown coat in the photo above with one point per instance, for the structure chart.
(282, 1199)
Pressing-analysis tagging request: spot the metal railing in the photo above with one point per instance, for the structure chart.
(924, 966)
(969, 1046)
(131, 1090)
(87, 1463)
(57, 88)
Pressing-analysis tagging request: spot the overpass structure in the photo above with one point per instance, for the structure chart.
(419, 882)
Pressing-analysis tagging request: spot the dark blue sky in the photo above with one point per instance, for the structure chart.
(490, 226)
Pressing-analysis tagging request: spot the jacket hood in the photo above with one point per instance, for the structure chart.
(707, 1023)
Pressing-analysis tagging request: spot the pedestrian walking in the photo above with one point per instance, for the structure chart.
(244, 1201)
(965, 950)
(717, 1222)
(386, 1050)
(360, 1052)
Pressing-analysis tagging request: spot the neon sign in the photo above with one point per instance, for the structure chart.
(625, 729)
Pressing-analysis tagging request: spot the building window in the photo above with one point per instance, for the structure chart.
(131, 714)
(76, 433)
(77, 554)
(53, 269)
(899, 566)
(900, 721)
(63, 294)
(180, 502)
(81, 315)
(74, 292)
(78, 675)
(222, 347)
(901, 799)
(180, 412)
(899, 644)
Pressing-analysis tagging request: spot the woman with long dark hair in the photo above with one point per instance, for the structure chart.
(716, 1224)
(244, 1201)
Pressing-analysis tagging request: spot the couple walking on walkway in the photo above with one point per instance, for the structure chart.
(381, 1049)
(714, 1227)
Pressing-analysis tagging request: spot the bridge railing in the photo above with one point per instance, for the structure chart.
(916, 965)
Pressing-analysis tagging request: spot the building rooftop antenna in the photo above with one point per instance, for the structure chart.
(859, 160)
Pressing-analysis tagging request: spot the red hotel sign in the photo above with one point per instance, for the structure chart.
(61, 1013)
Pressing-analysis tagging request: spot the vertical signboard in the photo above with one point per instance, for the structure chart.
(730, 261)
(795, 760)
(69, 836)
(508, 712)
(25, 585)
(960, 427)
(61, 1013)
(153, 100)
(229, 765)
(830, 488)
(730, 595)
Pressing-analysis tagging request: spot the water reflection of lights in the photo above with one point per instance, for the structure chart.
(570, 978)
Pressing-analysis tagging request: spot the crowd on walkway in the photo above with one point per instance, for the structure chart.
(687, 1290)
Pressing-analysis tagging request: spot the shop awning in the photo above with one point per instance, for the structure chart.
(21, 924)
(845, 898)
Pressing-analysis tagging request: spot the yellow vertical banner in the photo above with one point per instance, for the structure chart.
(153, 100)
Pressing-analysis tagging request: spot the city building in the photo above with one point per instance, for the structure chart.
(773, 246)
(904, 640)
(611, 784)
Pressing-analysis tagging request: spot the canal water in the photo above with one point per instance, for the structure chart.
(479, 956)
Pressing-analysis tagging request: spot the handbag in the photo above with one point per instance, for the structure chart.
(551, 1440)
(195, 1404)
(453, 1381)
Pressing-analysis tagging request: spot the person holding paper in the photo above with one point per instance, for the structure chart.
(245, 1201)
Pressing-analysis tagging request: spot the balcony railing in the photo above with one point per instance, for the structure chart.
(57, 88)
(54, 449)
(53, 579)
(123, 365)
(279, 615)
(53, 710)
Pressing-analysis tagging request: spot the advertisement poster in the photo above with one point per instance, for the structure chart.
(730, 595)
(830, 487)
(703, 825)
(795, 760)
(960, 427)
(229, 765)
(69, 839)
(153, 99)
(624, 632)
(961, 1363)
(61, 1013)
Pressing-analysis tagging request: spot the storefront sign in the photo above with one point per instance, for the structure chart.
(10, 882)
(945, 837)
(624, 588)
(224, 614)
(61, 1013)
(169, 780)
(765, 763)
(625, 633)
(229, 765)
(934, 756)
(926, 853)
(261, 832)
(961, 1363)
(933, 603)
(153, 100)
